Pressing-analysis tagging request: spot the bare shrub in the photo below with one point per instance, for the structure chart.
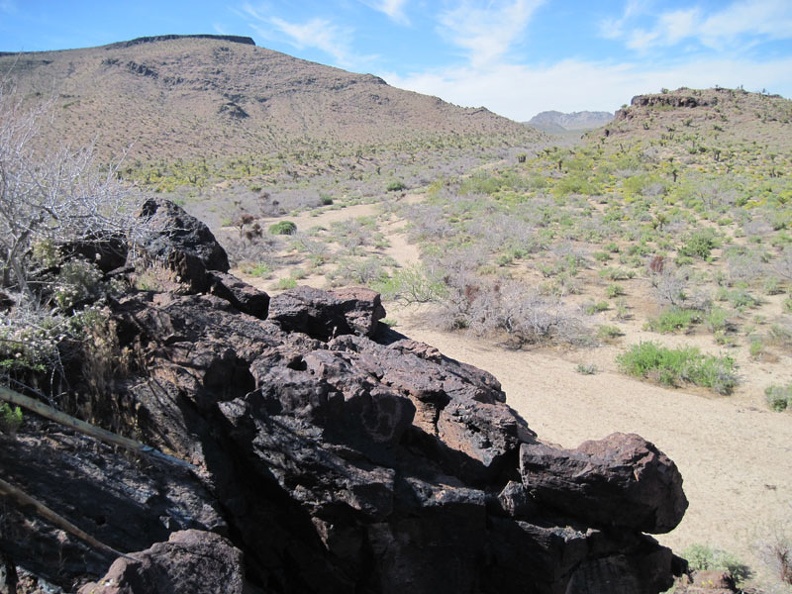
(60, 196)
(517, 312)
(673, 287)
(776, 553)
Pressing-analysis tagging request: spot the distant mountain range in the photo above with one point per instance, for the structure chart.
(192, 97)
(556, 122)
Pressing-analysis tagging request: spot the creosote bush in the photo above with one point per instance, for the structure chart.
(779, 399)
(706, 558)
(283, 228)
(675, 367)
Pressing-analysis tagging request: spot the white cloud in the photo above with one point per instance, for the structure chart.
(770, 18)
(736, 25)
(671, 28)
(614, 28)
(317, 33)
(487, 33)
(394, 9)
(520, 92)
(8, 6)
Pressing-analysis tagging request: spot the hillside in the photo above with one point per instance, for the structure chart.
(208, 97)
(719, 127)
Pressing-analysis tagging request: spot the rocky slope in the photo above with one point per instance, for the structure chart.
(206, 97)
(319, 453)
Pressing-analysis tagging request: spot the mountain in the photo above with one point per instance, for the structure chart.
(556, 122)
(199, 97)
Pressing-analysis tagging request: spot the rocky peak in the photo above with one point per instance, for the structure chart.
(326, 454)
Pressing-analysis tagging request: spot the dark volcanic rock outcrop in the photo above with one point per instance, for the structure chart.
(191, 562)
(334, 455)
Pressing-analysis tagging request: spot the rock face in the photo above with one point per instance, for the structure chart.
(621, 480)
(335, 456)
(191, 562)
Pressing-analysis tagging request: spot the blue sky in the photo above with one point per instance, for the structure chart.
(515, 57)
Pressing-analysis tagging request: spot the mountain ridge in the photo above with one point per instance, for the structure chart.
(203, 97)
(558, 122)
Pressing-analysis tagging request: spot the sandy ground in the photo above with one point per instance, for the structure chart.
(735, 455)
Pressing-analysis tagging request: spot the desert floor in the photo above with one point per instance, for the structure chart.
(734, 453)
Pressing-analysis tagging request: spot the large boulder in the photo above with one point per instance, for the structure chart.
(619, 481)
(165, 234)
(190, 562)
(326, 314)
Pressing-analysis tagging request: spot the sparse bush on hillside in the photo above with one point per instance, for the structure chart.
(283, 228)
(396, 186)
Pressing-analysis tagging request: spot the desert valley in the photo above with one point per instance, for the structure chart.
(616, 274)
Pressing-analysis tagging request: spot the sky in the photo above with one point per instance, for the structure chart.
(517, 58)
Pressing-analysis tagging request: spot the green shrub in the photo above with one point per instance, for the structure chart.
(616, 274)
(286, 283)
(699, 244)
(674, 367)
(607, 332)
(595, 307)
(412, 284)
(10, 418)
(717, 320)
(586, 368)
(396, 186)
(260, 269)
(674, 319)
(706, 558)
(779, 398)
(283, 228)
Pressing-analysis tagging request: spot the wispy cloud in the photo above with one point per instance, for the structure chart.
(487, 34)
(670, 29)
(769, 18)
(394, 9)
(613, 28)
(726, 28)
(8, 6)
(317, 33)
